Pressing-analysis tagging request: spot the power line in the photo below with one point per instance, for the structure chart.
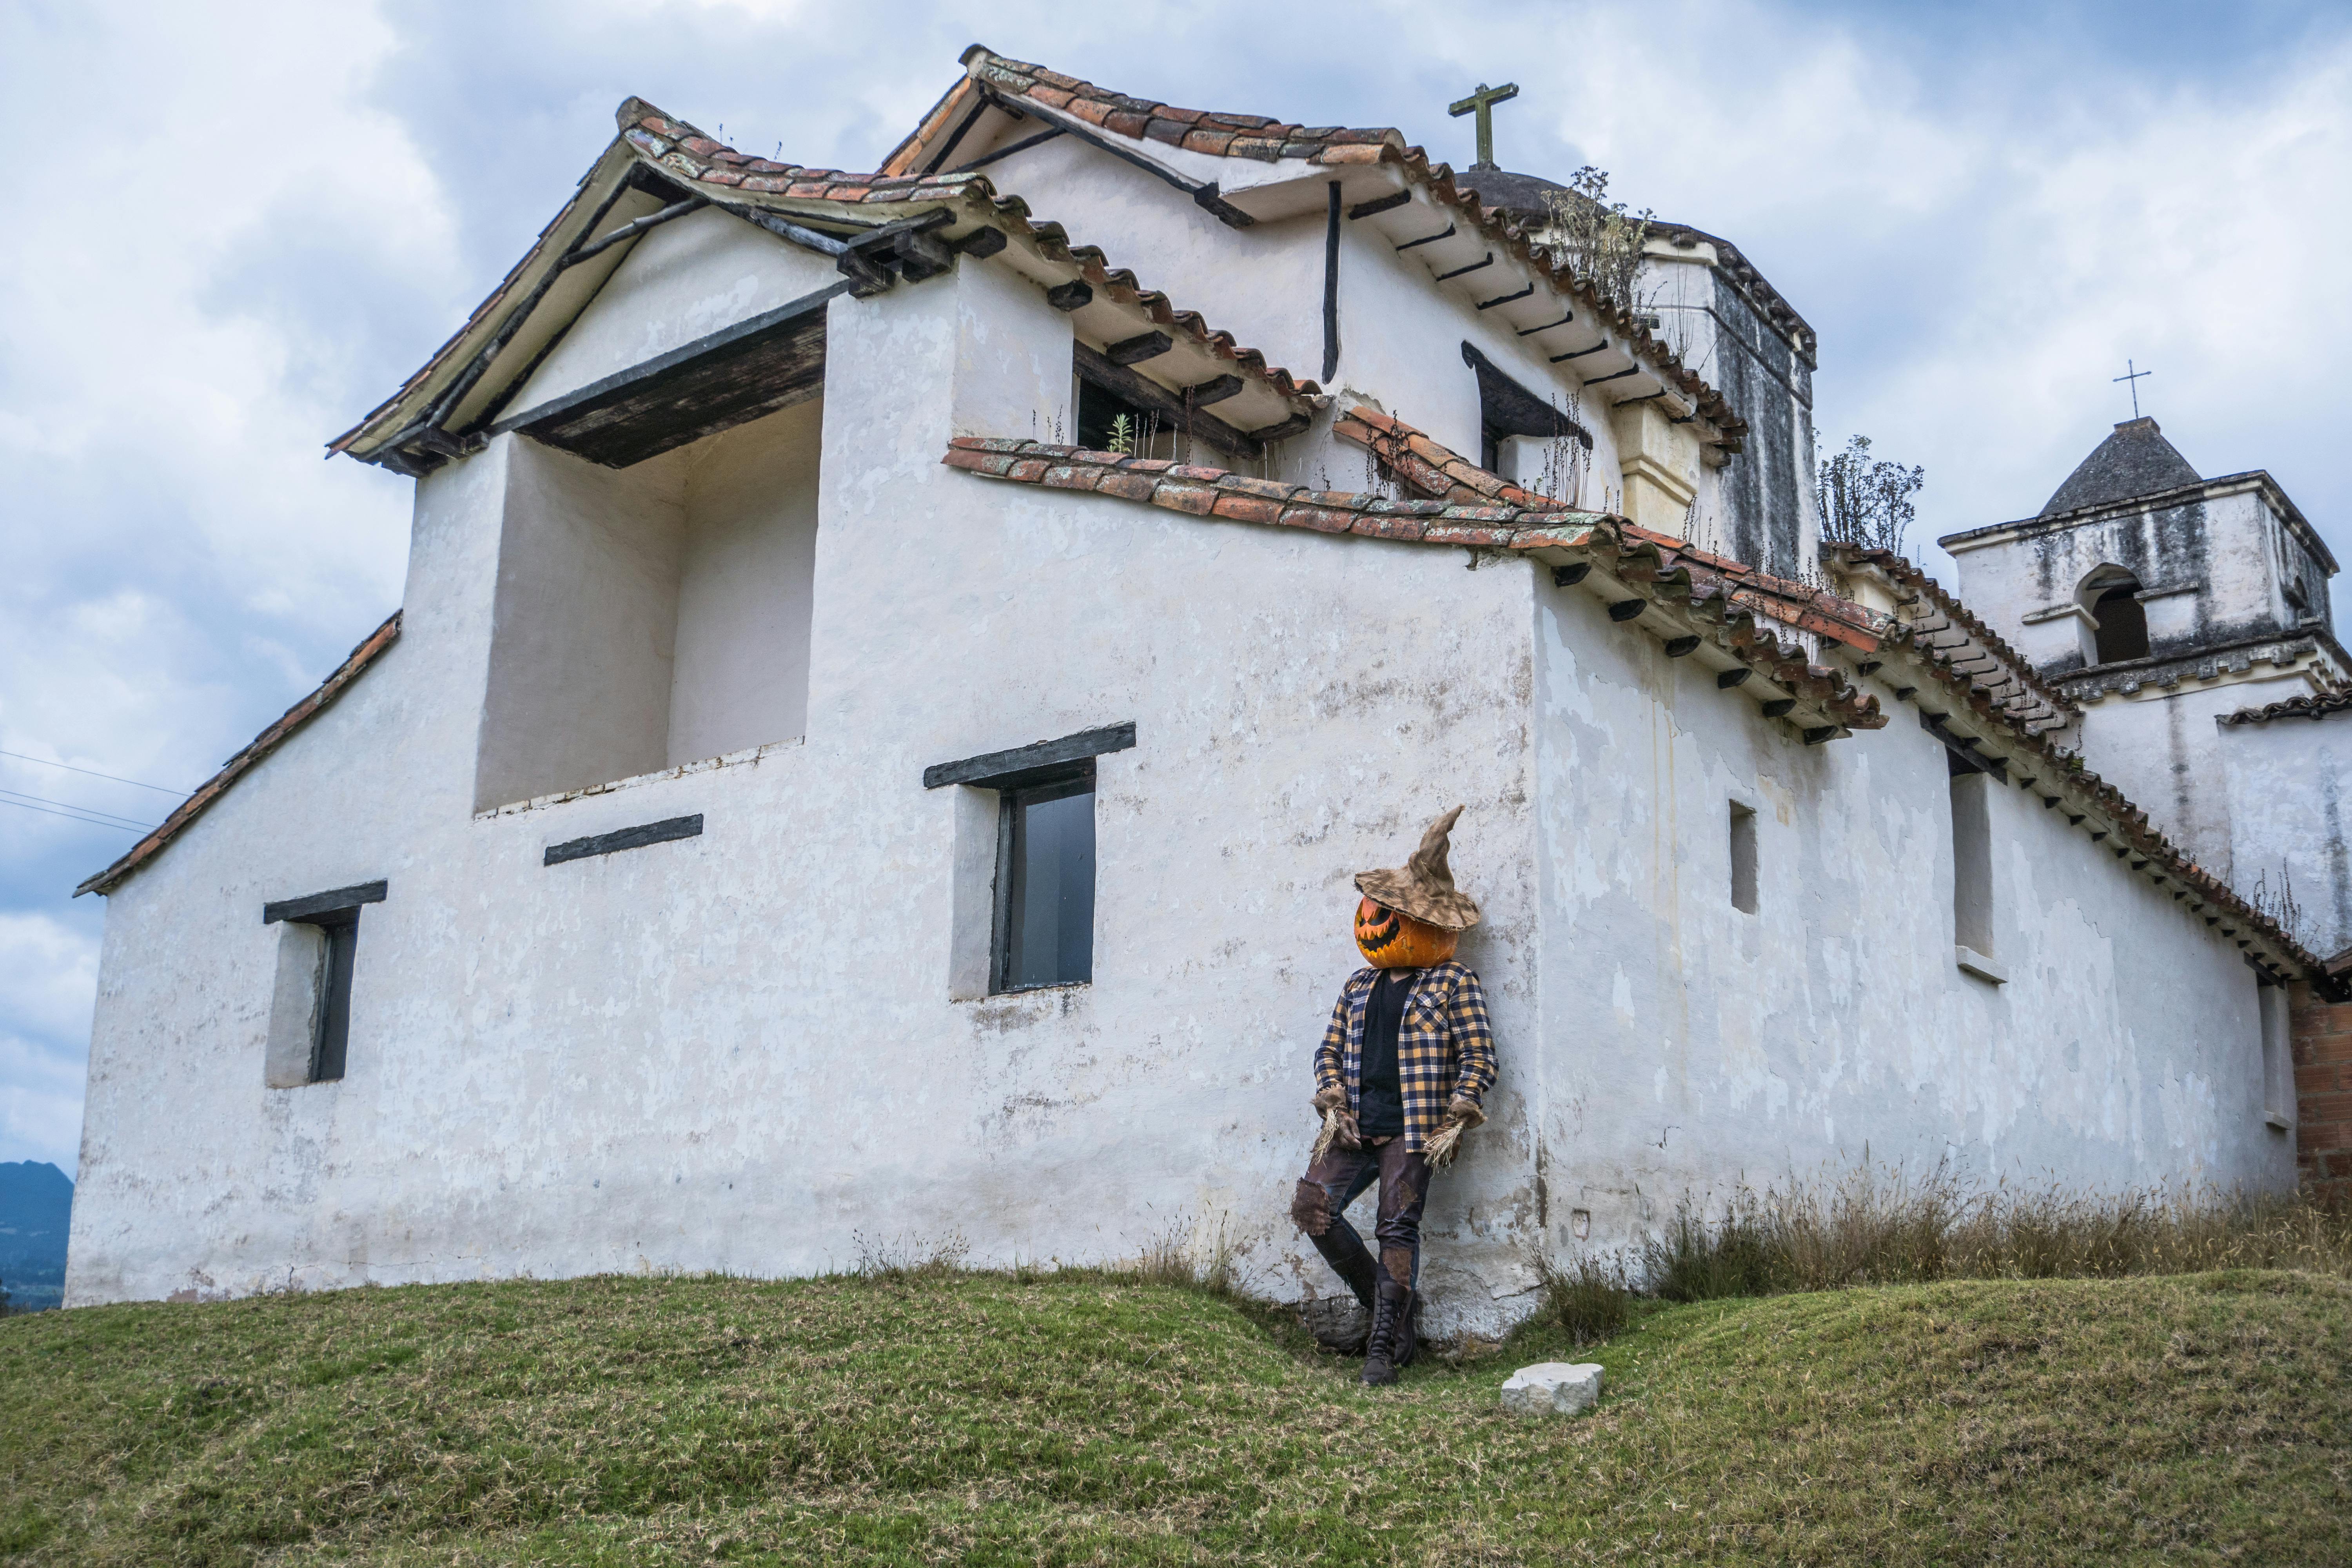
(75, 806)
(69, 767)
(70, 817)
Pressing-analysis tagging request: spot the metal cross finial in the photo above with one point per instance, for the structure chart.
(1481, 103)
(2132, 380)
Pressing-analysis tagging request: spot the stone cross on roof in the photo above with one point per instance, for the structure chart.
(1482, 103)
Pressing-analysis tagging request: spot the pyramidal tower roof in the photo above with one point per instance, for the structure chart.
(2136, 460)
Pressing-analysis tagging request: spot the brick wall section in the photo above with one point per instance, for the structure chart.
(2323, 1092)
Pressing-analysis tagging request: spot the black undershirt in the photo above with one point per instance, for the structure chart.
(1380, 1098)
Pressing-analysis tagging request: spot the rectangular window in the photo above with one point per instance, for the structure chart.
(340, 932)
(1972, 925)
(309, 1031)
(2278, 1055)
(1046, 884)
(1743, 858)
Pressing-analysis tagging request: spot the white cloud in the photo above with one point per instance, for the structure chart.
(48, 976)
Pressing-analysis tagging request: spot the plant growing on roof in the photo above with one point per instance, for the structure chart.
(1122, 436)
(1865, 500)
(1563, 455)
(1600, 241)
(2278, 905)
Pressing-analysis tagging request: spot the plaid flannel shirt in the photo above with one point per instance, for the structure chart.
(1446, 1046)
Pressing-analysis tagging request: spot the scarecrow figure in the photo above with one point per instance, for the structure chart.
(1407, 1058)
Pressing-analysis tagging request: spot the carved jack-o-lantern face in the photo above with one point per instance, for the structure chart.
(1392, 940)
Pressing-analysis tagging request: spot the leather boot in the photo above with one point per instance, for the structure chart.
(1407, 1344)
(1352, 1262)
(1391, 1319)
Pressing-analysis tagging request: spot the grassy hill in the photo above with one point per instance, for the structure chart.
(1090, 1418)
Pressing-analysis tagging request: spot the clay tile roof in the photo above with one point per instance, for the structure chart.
(1236, 135)
(1739, 609)
(2015, 666)
(2319, 706)
(714, 172)
(237, 766)
(1203, 130)
(1426, 466)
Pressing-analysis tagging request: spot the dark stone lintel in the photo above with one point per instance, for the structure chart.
(1006, 769)
(626, 838)
(335, 902)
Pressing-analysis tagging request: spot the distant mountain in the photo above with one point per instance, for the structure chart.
(35, 1205)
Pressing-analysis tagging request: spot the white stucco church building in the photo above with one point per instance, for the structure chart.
(889, 703)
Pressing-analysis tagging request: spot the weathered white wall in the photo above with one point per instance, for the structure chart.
(744, 1050)
(585, 626)
(1687, 1046)
(739, 1050)
(745, 592)
(2163, 748)
(1759, 506)
(2290, 788)
(1402, 342)
(1262, 283)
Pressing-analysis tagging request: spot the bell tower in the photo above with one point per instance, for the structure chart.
(2162, 603)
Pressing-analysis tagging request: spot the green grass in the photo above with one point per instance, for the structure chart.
(948, 1417)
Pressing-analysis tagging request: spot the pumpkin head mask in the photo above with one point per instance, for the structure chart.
(1390, 940)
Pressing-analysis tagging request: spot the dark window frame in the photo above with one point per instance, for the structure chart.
(1028, 771)
(1007, 936)
(331, 1032)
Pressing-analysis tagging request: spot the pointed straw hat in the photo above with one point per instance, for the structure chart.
(1424, 888)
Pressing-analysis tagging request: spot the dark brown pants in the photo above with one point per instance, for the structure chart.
(1337, 1180)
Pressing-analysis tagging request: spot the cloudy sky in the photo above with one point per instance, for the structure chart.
(243, 222)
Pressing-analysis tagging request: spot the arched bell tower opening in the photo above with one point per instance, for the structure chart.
(2118, 629)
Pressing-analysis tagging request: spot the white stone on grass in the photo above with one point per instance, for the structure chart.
(1553, 1388)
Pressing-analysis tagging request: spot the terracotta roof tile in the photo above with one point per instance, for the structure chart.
(1330, 145)
(2317, 706)
(1437, 470)
(667, 144)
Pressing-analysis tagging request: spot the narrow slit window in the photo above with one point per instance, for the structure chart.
(1973, 923)
(1045, 886)
(1743, 858)
(330, 1044)
(310, 1033)
(2277, 1056)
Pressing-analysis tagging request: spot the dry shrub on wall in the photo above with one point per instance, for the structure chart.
(1865, 500)
(1600, 240)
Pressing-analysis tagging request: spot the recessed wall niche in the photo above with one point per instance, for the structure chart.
(650, 616)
